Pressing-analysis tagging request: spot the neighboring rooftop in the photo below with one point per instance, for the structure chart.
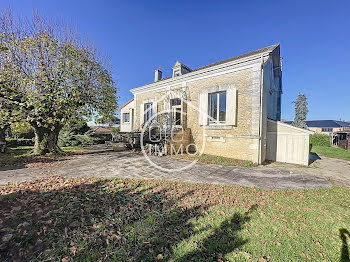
(101, 129)
(325, 123)
(132, 99)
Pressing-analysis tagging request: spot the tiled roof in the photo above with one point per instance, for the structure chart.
(325, 123)
(101, 129)
(255, 52)
(132, 99)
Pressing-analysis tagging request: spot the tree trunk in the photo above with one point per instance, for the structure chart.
(46, 140)
(2, 140)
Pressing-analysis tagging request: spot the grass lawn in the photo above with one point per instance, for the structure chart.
(217, 160)
(335, 152)
(21, 154)
(88, 219)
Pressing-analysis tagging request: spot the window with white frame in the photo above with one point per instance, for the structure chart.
(148, 111)
(126, 117)
(327, 129)
(217, 107)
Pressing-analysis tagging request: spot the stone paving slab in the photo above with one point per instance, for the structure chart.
(133, 165)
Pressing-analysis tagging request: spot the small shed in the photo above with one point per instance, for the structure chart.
(287, 143)
(341, 139)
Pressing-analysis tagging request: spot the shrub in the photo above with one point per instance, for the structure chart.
(320, 140)
(13, 142)
(86, 139)
(68, 138)
(100, 138)
(116, 129)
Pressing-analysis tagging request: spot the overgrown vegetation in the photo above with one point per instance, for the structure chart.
(320, 140)
(59, 219)
(334, 152)
(217, 160)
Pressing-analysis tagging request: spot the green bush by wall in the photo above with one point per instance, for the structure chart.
(68, 138)
(19, 142)
(320, 140)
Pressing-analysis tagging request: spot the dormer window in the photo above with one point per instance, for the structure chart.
(180, 69)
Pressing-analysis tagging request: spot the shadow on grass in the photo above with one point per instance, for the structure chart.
(10, 162)
(344, 257)
(20, 157)
(116, 220)
(222, 241)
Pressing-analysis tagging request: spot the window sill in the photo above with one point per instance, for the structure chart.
(218, 126)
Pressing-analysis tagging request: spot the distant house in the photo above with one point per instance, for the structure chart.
(326, 126)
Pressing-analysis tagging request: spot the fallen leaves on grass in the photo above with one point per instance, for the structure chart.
(60, 218)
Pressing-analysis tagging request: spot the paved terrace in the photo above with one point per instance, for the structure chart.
(133, 165)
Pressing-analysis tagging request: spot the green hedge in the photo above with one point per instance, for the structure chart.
(19, 142)
(320, 140)
(100, 138)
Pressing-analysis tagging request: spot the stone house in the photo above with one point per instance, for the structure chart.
(327, 126)
(224, 106)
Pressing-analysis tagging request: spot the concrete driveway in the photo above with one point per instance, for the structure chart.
(133, 165)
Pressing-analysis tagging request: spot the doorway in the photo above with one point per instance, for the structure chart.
(176, 112)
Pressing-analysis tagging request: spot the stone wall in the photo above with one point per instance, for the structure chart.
(240, 141)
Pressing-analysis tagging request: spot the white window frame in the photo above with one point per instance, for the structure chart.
(145, 111)
(231, 107)
(217, 121)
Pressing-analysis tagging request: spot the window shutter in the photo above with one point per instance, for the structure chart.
(142, 114)
(166, 105)
(154, 108)
(203, 109)
(231, 106)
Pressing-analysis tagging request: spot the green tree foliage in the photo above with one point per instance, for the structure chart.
(300, 111)
(21, 129)
(52, 77)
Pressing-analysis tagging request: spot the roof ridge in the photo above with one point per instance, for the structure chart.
(256, 51)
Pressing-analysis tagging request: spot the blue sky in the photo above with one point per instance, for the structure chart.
(139, 36)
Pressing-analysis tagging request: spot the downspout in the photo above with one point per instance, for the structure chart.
(261, 107)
